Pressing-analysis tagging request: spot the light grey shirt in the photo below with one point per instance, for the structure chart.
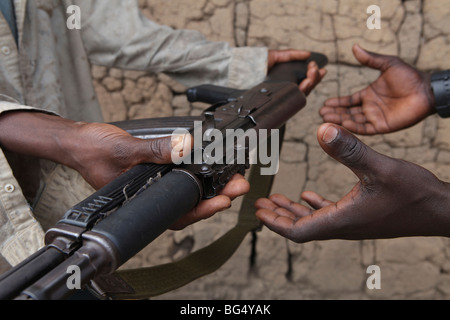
(50, 71)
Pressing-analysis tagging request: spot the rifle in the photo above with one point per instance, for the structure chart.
(101, 233)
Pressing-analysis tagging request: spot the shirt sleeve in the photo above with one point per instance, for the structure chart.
(116, 34)
(10, 104)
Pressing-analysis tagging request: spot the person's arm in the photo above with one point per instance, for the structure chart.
(400, 98)
(393, 198)
(116, 34)
(101, 152)
(314, 75)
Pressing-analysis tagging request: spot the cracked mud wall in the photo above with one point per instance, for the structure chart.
(417, 31)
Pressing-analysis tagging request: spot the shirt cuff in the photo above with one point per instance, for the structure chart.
(10, 104)
(248, 67)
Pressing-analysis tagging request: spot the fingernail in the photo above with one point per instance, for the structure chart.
(178, 144)
(330, 135)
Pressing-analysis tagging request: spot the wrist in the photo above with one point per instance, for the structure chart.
(71, 148)
(40, 135)
(429, 92)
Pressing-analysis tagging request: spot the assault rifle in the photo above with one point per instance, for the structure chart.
(104, 231)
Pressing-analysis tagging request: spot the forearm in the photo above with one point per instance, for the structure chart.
(428, 93)
(438, 209)
(131, 41)
(37, 134)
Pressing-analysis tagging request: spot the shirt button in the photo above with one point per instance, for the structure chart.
(6, 50)
(9, 188)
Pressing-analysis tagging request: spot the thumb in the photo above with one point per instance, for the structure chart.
(350, 151)
(165, 150)
(371, 59)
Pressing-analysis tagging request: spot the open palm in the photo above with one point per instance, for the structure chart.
(392, 199)
(400, 98)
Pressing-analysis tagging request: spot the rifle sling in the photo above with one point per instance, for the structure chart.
(154, 281)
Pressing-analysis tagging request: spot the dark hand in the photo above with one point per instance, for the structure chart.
(400, 98)
(117, 151)
(99, 152)
(102, 152)
(393, 199)
(237, 186)
(314, 74)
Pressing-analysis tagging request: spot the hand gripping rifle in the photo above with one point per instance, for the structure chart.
(104, 231)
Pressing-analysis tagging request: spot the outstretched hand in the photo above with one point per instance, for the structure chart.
(393, 198)
(400, 98)
(314, 75)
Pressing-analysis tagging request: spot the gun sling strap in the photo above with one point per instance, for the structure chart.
(154, 281)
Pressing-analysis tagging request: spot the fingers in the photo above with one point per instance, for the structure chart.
(349, 113)
(314, 76)
(315, 200)
(164, 150)
(277, 218)
(353, 119)
(340, 117)
(280, 56)
(182, 145)
(281, 224)
(292, 55)
(204, 210)
(355, 99)
(338, 110)
(338, 114)
(297, 223)
(236, 187)
(283, 206)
